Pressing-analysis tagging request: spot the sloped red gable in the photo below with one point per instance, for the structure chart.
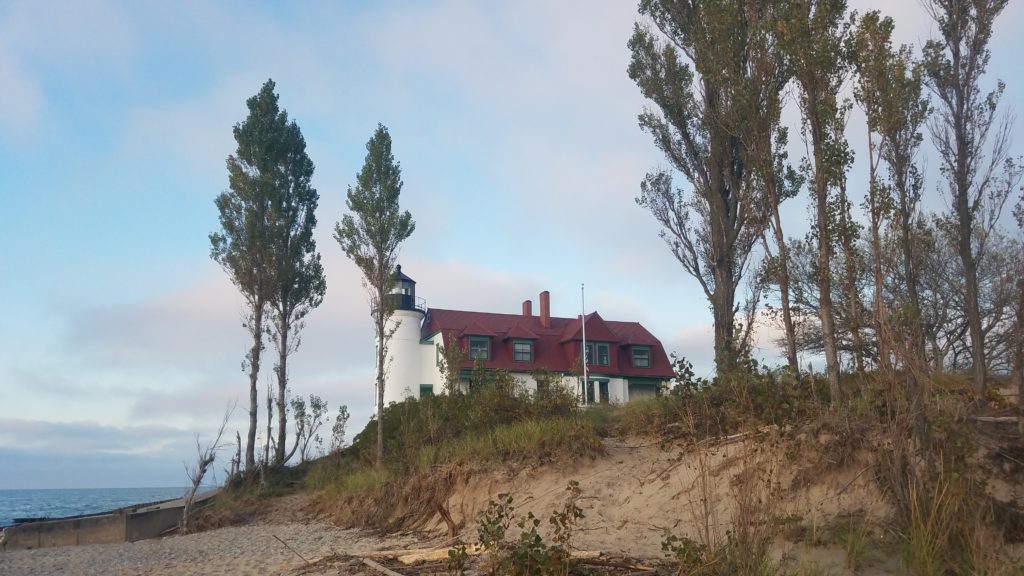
(555, 348)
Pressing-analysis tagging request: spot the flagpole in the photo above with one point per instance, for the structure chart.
(583, 354)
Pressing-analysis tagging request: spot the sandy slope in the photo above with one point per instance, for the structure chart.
(641, 489)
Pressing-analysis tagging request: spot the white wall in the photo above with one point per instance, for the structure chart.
(430, 372)
(403, 360)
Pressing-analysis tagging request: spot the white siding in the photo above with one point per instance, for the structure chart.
(403, 360)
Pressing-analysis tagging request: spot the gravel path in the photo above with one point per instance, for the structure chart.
(233, 550)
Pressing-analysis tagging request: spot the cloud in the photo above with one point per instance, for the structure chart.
(89, 436)
(193, 133)
(695, 343)
(185, 330)
(20, 99)
(74, 39)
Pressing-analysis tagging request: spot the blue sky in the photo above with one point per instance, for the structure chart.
(515, 124)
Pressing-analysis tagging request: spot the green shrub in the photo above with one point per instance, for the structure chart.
(495, 417)
(528, 554)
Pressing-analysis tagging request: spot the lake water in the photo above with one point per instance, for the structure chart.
(57, 503)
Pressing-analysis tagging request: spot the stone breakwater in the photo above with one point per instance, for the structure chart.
(234, 550)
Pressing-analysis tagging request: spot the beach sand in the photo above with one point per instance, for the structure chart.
(251, 549)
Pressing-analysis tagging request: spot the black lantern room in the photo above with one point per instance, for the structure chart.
(403, 293)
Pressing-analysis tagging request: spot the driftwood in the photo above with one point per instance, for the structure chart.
(414, 555)
(614, 564)
(292, 550)
(407, 552)
(994, 418)
(380, 568)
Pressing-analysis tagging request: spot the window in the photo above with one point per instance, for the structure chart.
(479, 348)
(522, 351)
(641, 357)
(598, 354)
(426, 390)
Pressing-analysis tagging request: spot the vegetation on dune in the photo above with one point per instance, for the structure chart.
(943, 518)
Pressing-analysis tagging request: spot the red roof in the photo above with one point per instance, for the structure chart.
(597, 330)
(555, 348)
(522, 332)
(476, 329)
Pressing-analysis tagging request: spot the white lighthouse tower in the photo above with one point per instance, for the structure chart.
(403, 355)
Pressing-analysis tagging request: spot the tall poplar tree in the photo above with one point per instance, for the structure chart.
(814, 36)
(972, 140)
(760, 88)
(242, 247)
(299, 284)
(371, 236)
(690, 69)
(889, 88)
(873, 59)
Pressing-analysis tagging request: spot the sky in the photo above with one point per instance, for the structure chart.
(515, 126)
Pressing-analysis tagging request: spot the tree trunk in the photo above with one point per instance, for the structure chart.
(723, 312)
(825, 311)
(1019, 356)
(381, 358)
(723, 207)
(875, 208)
(783, 276)
(270, 424)
(971, 295)
(282, 388)
(254, 375)
(881, 338)
(850, 263)
(918, 360)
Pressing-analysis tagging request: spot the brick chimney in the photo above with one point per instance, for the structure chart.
(545, 309)
(527, 308)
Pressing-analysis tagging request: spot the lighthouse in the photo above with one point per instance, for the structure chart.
(402, 362)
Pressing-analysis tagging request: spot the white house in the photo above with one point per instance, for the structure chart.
(625, 360)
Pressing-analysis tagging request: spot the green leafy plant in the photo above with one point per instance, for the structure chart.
(528, 554)
(684, 554)
(495, 521)
(564, 521)
(457, 558)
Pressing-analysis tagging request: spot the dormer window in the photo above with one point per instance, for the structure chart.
(598, 354)
(641, 357)
(522, 351)
(479, 348)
